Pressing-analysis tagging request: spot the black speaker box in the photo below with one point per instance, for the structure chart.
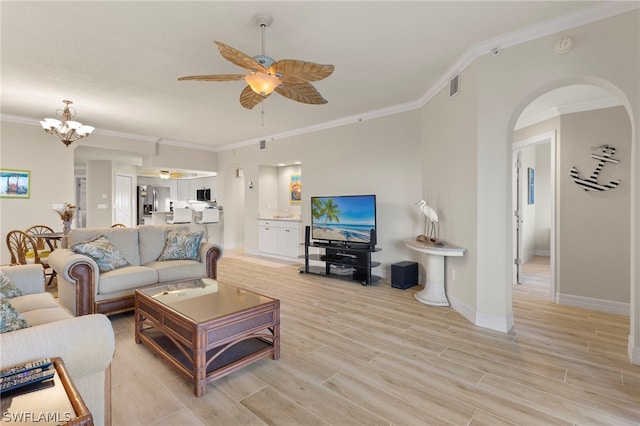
(404, 275)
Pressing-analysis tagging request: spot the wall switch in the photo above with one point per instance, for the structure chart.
(104, 196)
(103, 206)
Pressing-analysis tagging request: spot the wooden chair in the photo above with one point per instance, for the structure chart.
(42, 243)
(118, 225)
(24, 250)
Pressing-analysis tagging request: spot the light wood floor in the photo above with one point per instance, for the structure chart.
(355, 355)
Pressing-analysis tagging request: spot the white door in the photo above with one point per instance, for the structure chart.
(123, 200)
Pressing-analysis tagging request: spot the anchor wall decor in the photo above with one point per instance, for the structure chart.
(603, 155)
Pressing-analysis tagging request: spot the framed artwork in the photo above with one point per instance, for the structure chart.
(295, 189)
(15, 183)
(532, 187)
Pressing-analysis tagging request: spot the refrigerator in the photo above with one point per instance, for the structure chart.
(152, 199)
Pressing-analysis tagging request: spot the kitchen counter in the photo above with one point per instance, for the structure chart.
(288, 219)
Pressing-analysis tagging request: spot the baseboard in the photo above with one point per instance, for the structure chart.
(601, 305)
(634, 352)
(543, 253)
(502, 324)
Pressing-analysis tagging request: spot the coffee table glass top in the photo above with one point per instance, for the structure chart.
(205, 299)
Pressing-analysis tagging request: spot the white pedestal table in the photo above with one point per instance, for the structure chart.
(434, 291)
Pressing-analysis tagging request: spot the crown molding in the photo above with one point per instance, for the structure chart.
(534, 32)
(555, 25)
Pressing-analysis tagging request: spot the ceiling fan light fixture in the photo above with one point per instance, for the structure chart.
(262, 84)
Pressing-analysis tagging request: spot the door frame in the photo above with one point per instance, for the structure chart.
(517, 146)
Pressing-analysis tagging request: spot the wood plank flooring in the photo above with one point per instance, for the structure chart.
(355, 355)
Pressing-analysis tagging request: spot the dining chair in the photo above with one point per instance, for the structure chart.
(42, 243)
(23, 250)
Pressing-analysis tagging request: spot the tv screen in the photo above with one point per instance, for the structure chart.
(345, 218)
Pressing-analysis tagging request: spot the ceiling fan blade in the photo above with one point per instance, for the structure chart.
(249, 98)
(214, 77)
(237, 57)
(295, 71)
(303, 92)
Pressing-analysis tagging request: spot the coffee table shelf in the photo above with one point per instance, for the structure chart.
(209, 330)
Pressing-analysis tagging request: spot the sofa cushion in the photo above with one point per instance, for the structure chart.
(129, 277)
(152, 239)
(178, 270)
(124, 239)
(100, 249)
(10, 318)
(32, 302)
(182, 245)
(7, 288)
(45, 316)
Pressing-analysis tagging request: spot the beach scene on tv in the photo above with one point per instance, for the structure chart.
(344, 218)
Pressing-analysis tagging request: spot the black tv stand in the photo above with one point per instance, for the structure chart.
(342, 260)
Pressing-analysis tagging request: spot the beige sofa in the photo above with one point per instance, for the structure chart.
(85, 344)
(83, 289)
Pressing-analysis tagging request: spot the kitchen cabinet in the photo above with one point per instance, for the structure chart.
(279, 238)
(183, 187)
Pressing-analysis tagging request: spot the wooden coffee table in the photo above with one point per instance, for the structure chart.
(207, 329)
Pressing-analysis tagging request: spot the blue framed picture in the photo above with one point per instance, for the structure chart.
(532, 185)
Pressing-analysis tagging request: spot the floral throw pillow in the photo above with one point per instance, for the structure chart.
(100, 249)
(10, 319)
(182, 245)
(7, 288)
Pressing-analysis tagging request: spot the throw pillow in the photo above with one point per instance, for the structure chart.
(182, 245)
(100, 249)
(10, 319)
(7, 288)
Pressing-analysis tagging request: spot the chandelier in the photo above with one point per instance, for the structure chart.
(67, 130)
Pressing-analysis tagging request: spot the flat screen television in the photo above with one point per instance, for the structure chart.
(345, 218)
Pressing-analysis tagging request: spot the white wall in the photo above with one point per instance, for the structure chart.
(542, 244)
(352, 159)
(27, 147)
(493, 92)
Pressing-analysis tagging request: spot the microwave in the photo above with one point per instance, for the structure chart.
(203, 194)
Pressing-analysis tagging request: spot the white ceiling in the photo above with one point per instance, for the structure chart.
(119, 61)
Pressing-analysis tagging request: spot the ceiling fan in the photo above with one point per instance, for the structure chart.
(289, 77)
(165, 174)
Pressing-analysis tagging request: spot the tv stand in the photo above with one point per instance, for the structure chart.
(342, 260)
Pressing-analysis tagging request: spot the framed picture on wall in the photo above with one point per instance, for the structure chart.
(531, 182)
(15, 183)
(295, 189)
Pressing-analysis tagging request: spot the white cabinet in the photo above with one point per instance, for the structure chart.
(183, 189)
(279, 237)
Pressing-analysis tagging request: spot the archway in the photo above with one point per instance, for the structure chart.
(586, 114)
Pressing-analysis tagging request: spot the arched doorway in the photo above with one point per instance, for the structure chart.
(588, 268)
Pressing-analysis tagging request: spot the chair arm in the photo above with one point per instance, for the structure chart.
(80, 270)
(28, 278)
(86, 344)
(210, 253)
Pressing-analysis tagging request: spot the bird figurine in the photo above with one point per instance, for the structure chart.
(431, 231)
